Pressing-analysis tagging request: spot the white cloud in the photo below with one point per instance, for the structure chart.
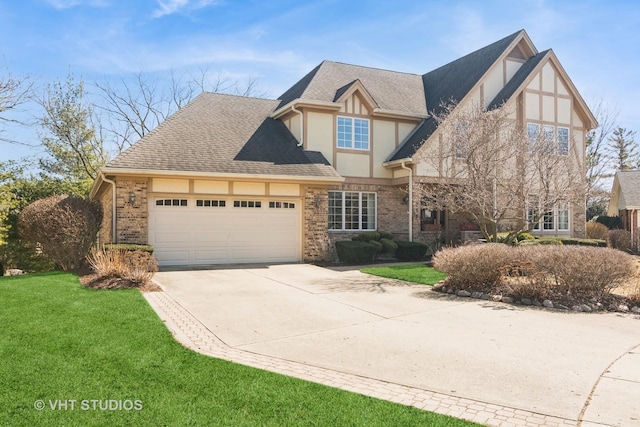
(67, 4)
(169, 7)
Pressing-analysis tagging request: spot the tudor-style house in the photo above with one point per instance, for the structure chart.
(231, 179)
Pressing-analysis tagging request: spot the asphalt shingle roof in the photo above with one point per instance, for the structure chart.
(392, 90)
(232, 134)
(451, 83)
(224, 134)
(629, 188)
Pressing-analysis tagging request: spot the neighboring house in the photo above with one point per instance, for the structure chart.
(625, 201)
(231, 179)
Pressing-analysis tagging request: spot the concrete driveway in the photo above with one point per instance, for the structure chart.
(575, 366)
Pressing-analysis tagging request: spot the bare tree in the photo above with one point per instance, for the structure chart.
(14, 91)
(489, 168)
(598, 161)
(134, 107)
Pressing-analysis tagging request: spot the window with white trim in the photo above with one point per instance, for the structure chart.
(533, 132)
(352, 210)
(563, 216)
(171, 202)
(548, 221)
(282, 205)
(548, 134)
(353, 133)
(552, 220)
(247, 204)
(533, 210)
(206, 203)
(563, 140)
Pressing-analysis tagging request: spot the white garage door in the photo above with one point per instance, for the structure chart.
(196, 230)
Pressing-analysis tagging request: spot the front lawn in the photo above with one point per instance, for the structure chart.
(418, 273)
(104, 358)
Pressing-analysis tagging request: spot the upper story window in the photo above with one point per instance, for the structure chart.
(555, 140)
(353, 133)
(563, 140)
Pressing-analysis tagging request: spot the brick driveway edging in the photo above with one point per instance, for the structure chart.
(191, 333)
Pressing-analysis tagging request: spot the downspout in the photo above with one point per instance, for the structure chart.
(295, 110)
(410, 200)
(113, 207)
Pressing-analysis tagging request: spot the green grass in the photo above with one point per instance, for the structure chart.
(417, 273)
(59, 340)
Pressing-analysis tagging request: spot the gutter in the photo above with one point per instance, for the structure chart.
(223, 175)
(410, 200)
(295, 110)
(113, 206)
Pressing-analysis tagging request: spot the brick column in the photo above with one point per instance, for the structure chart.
(131, 217)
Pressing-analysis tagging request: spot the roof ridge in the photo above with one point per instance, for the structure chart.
(372, 68)
(465, 57)
(208, 92)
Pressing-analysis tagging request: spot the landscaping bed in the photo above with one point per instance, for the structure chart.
(575, 278)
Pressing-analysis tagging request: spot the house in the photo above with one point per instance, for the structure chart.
(625, 201)
(231, 179)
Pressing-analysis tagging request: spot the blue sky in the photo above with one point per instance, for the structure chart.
(278, 41)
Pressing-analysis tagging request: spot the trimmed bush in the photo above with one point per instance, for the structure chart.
(473, 267)
(549, 241)
(389, 245)
(62, 227)
(410, 251)
(386, 235)
(583, 242)
(367, 236)
(355, 251)
(128, 247)
(568, 272)
(610, 222)
(377, 244)
(581, 271)
(596, 230)
(620, 239)
(525, 236)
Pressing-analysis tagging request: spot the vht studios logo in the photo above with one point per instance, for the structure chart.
(88, 405)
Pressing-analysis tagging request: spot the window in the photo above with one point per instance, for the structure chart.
(171, 202)
(548, 221)
(282, 205)
(563, 216)
(432, 219)
(533, 132)
(211, 203)
(353, 133)
(563, 141)
(352, 210)
(247, 204)
(548, 134)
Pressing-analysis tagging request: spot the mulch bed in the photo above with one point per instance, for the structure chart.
(91, 279)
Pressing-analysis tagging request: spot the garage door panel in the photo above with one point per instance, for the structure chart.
(210, 256)
(171, 238)
(213, 235)
(210, 237)
(174, 257)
